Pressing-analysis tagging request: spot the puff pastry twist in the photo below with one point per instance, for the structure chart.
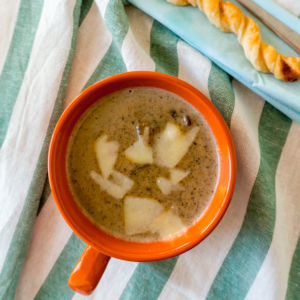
(229, 18)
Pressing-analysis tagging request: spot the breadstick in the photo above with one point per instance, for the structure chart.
(229, 18)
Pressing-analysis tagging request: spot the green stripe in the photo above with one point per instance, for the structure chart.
(149, 279)
(45, 195)
(221, 92)
(55, 286)
(85, 8)
(17, 250)
(293, 289)
(117, 23)
(112, 63)
(249, 250)
(17, 59)
(163, 49)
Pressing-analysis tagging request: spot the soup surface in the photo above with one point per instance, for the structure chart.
(122, 117)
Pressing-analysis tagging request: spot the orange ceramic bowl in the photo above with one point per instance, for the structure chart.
(102, 244)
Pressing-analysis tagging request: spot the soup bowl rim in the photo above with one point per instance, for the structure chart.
(96, 237)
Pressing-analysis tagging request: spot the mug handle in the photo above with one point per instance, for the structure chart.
(88, 271)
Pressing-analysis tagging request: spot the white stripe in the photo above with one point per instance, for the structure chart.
(49, 237)
(93, 42)
(113, 282)
(293, 6)
(194, 68)
(193, 280)
(102, 5)
(141, 25)
(272, 278)
(8, 17)
(136, 45)
(31, 114)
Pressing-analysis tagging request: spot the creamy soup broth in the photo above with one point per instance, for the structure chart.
(118, 115)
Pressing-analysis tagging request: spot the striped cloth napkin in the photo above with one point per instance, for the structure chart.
(50, 51)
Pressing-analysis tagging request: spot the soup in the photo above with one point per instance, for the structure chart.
(142, 164)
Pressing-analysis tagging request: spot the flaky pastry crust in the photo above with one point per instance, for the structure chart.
(229, 18)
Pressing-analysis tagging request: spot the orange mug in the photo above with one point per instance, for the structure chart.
(101, 245)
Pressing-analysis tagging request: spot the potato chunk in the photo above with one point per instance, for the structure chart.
(106, 153)
(140, 152)
(177, 175)
(117, 187)
(172, 144)
(167, 224)
(167, 186)
(122, 180)
(140, 214)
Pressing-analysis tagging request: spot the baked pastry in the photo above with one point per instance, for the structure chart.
(229, 18)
